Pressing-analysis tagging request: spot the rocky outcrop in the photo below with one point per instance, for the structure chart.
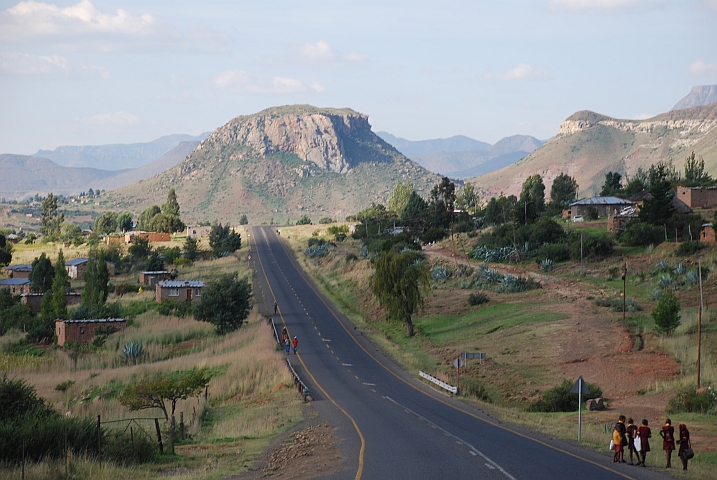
(314, 135)
(699, 96)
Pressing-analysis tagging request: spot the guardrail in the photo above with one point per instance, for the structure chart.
(298, 383)
(440, 383)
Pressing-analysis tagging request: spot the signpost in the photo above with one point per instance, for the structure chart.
(580, 387)
(479, 356)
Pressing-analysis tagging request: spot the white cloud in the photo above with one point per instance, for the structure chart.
(316, 86)
(24, 64)
(241, 81)
(701, 68)
(605, 6)
(117, 118)
(321, 51)
(95, 71)
(522, 71)
(641, 116)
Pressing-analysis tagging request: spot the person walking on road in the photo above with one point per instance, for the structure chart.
(617, 444)
(623, 436)
(644, 433)
(631, 434)
(275, 305)
(288, 345)
(668, 441)
(684, 444)
(296, 344)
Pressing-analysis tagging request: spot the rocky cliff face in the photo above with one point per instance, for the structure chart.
(311, 134)
(699, 96)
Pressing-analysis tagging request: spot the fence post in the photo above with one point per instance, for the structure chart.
(174, 431)
(99, 441)
(67, 460)
(159, 435)
(23, 459)
(131, 436)
(181, 425)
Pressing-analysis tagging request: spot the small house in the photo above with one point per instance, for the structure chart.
(15, 286)
(83, 331)
(698, 197)
(35, 300)
(77, 267)
(198, 231)
(707, 233)
(130, 237)
(154, 277)
(21, 270)
(602, 205)
(179, 290)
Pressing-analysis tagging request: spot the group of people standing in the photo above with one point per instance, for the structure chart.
(288, 343)
(637, 441)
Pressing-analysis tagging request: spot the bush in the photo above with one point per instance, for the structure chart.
(463, 227)
(689, 400)
(667, 313)
(638, 234)
(351, 257)
(595, 246)
(591, 213)
(175, 309)
(434, 235)
(478, 298)
(305, 220)
(557, 252)
(615, 304)
(338, 229)
(559, 398)
(124, 288)
(326, 220)
(690, 247)
(473, 388)
(315, 241)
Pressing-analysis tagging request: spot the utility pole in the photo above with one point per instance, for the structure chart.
(582, 271)
(699, 322)
(624, 290)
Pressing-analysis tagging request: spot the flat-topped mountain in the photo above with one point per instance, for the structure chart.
(589, 145)
(700, 95)
(280, 164)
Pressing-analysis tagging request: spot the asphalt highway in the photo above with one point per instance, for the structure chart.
(391, 425)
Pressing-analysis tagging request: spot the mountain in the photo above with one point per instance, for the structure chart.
(589, 145)
(700, 95)
(279, 165)
(410, 148)
(118, 156)
(128, 177)
(25, 175)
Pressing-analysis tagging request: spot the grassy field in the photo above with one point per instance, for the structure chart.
(249, 396)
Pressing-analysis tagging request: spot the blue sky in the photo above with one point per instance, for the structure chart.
(96, 72)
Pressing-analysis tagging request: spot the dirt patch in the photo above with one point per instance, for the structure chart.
(308, 454)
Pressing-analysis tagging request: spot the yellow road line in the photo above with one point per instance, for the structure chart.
(358, 430)
(318, 294)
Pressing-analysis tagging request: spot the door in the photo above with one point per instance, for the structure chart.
(189, 294)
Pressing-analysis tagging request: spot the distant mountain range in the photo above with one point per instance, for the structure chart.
(700, 95)
(118, 156)
(463, 157)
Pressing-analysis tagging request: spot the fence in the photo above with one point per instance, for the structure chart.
(444, 385)
(298, 383)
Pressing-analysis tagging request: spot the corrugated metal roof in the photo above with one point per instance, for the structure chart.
(75, 262)
(155, 272)
(20, 267)
(95, 320)
(15, 281)
(181, 283)
(70, 294)
(602, 201)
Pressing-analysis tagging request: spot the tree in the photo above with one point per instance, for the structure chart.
(658, 209)
(171, 206)
(97, 278)
(51, 221)
(70, 232)
(59, 288)
(156, 264)
(243, 220)
(165, 223)
(190, 248)
(399, 197)
(140, 248)
(667, 313)
(124, 222)
(399, 285)
(563, 192)
(154, 391)
(106, 223)
(223, 239)
(225, 303)
(305, 220)
(468, 199)
(5, 251)
(42, 274)
(532, 199)
(146, 217)
(695, 174)
(612, 185)
(416, 206)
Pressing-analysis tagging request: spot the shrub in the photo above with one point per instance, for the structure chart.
(637, 234)
(690, 247)
(305, 220)
(315, 241)
(318, 251)
(351, 257)
(326, 220)
(594, 245)
(464, 227)
(615, 304)
(478, 298)
(667, 313)
(434, 235)
(473, 388)
(591, 213)
(175, 309)
(440, 273)
(338, 229)
(557, 252)
(546, 265)
(124, 288)
(559, 398)
(689, 400)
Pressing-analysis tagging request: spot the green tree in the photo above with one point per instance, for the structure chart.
(225, 303)
(165, 223)
(171, 206)
(563, 192)
(5, 251)
(70, 232)
(612, 185)
(59, 288)
(223, 239)
(243, 220)
(658, 209)
(51, 220)
(637, 183)
(106, 223)
(146, 217)
(667, 313)
(400, 281)
(305, 220)
(97, 278)
(42, 274)
(140, 248)
(695, 173)
(416, 206)
(190, 248)
(124, 222)
(399, 197)
(156, 264)
(532, 199)
(468, 198)
(154, 391)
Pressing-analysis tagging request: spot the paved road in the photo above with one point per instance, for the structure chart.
(392, 426)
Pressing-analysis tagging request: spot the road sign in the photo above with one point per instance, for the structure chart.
(458, 363)
(467, 355)
(580, 387)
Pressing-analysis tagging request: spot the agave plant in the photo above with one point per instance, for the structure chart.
(439, 273)
(665, 281)
(132, 351)
(491, 275)
(692, 277)
(679, 269)
(657, 294)
(546, 265)
(662, 266)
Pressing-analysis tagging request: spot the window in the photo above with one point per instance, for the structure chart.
(173, 292)
(82, 330)
(197, 292)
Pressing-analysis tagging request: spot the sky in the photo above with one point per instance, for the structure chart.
(83, 72)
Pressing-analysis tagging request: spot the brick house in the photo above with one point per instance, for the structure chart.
(179, 290)
(151, 236)
(707, 233)
(77, 267)
(698, 197)
(35, 300)
(15, 286)
(154, 277)
(83, 331)
(603, 205)
(21, 270)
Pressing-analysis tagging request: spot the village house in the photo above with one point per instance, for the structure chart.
(179, 290)
(603, 205)
(35, 300)
(83, 331)
(707, 233)
(153, 278)
(15, 286)
(198, 231)
(698, 197)
(77, 267)
(129, 237)
(21, 270)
